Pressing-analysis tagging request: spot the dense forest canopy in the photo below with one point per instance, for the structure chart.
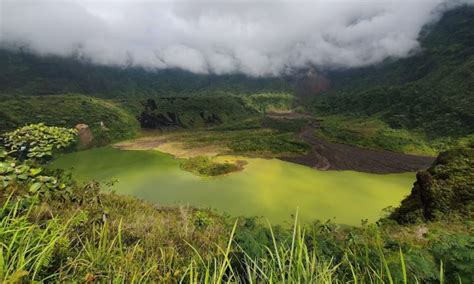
(24, 73)
(432, 90)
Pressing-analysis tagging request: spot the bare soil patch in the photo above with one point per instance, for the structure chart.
(143, 143)
(288, 115)
(326, 155)
(323, 155)
(171, 145)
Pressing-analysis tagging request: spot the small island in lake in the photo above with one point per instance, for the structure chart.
(205, 166)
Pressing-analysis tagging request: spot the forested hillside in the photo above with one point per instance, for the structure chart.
(431, 91)
(117, 174)
(447, 187)
(26, 74)
(107, 121)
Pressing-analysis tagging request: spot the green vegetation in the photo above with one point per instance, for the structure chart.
(55, 229)
(23, 73)
(265, 102)
(256, 137)
(22, 174)
(285, 125)
(447, 187)
(37, 141)
(243, 124)
(267, 143)
(249, 142)
(99, 236)
(192, 112)
(421, 98)
(252, 135)
(169, 245)
(430, 92)
(67, 111)
(268, 187)
(27, 146)
(374, 133)
(85, 234)
(205, 166)
(208, 111)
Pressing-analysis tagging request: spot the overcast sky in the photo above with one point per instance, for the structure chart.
(216, 36)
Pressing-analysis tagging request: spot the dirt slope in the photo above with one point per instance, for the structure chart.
(326, 155)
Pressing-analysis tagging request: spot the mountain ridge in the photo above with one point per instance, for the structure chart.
(431, 91)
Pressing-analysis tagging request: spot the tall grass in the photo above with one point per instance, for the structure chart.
(292, 261)
(25, 248)
(51, 252)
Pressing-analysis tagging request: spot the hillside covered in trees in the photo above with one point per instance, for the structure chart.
(120, 174)
(23, 73)
(431, 91)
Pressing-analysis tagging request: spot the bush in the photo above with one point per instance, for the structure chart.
(204, 166)
(37, 141)
(447, 187)
(107, 121)
(273, 143)
(26, 147)
(284, 125)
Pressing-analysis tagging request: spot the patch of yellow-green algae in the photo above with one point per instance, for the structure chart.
(266, 187)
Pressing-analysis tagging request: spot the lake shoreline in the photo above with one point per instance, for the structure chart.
(323, 155)
(266, 187)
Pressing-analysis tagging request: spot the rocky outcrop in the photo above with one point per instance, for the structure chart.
(447, 187)
(311, 83)
(86, 137)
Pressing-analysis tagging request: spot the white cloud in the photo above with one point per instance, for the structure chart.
(217, 36)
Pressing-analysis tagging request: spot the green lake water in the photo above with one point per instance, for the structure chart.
(266, 187)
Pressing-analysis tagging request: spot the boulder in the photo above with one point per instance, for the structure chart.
(85, 135)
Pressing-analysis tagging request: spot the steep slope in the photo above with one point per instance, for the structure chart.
(107, 121)
(200, 111)
(432, 91)
(447, 187)
(26, 74)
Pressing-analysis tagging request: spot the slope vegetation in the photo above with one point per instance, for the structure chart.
(447, 187)
(107, 121)
(430, 92)
(24, 73)
(199, 111)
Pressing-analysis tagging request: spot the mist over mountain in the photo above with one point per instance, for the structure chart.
(430, 91)
(166, 141)
(221, 37)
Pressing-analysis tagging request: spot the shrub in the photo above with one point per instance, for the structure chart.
(25, 148)
(204, 166)
(37, 141)
(447, 187)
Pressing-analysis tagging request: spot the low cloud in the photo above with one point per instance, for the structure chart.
(258, 38)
